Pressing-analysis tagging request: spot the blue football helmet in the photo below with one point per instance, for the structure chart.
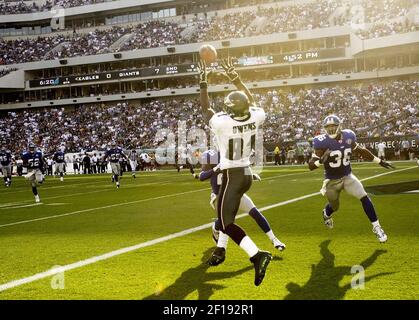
(332, 125)
(32, 147)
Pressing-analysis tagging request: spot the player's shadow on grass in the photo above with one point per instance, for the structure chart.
(197, 278)
(325, 277)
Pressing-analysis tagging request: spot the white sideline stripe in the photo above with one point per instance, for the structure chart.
(98, 191)
(99, 208)
(82, 263)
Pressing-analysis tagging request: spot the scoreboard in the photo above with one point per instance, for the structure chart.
(114, 75)
(188, 68)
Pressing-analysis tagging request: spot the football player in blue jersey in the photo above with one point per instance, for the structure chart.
(59, 158)
(6, 165)
(333, 150)
(211, 170)
(114, 154)
(34, 161)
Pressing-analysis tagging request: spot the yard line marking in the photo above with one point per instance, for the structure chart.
(82, 263)
(22, 206)
(101, 189)
(10, 204)
(104, 190)
(84, 184)
(100, 208)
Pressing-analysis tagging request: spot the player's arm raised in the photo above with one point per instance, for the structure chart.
(207, 112)
(318, 157)
(234, 77)
(367, 155)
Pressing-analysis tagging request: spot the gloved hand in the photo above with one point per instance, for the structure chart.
(256, 177)
(230, 70)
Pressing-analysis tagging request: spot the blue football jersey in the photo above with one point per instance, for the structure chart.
(338, 164)
(114, 154)
(5, 157)
(33, 160)
(59, 157)
(212, 157)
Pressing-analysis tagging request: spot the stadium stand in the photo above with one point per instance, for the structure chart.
(291, 116)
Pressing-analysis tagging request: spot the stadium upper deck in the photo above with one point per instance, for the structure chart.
(286, 46)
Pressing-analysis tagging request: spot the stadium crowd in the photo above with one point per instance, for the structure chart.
(17, 7)
(389, 108)
(160, 33)
(387, 29)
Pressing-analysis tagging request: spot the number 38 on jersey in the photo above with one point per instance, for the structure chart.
(338, 163)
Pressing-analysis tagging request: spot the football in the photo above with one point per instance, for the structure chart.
(208, 53)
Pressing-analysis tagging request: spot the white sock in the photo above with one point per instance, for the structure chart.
(270, 235)
(375, 223)
(222, 240)
(249, 246)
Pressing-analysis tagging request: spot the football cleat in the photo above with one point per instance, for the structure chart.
(37, 199)
(278, 244)
(217, 257)
(379, 232)
(328, 221)
(260, 261)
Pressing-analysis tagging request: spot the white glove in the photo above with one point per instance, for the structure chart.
(212, 201)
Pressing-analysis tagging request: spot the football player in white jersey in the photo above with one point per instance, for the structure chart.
(235, 132)
(133, 161)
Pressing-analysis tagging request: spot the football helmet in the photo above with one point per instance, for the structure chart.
(237, 103)
(32, 147)
(332, 125)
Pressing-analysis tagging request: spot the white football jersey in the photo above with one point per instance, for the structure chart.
(236, 137)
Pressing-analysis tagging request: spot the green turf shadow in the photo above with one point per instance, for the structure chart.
(325, 277)
(197, 278)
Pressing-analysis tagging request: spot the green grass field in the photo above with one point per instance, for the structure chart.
(86, 216)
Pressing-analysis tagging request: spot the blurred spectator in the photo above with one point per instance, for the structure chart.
(380, 109)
